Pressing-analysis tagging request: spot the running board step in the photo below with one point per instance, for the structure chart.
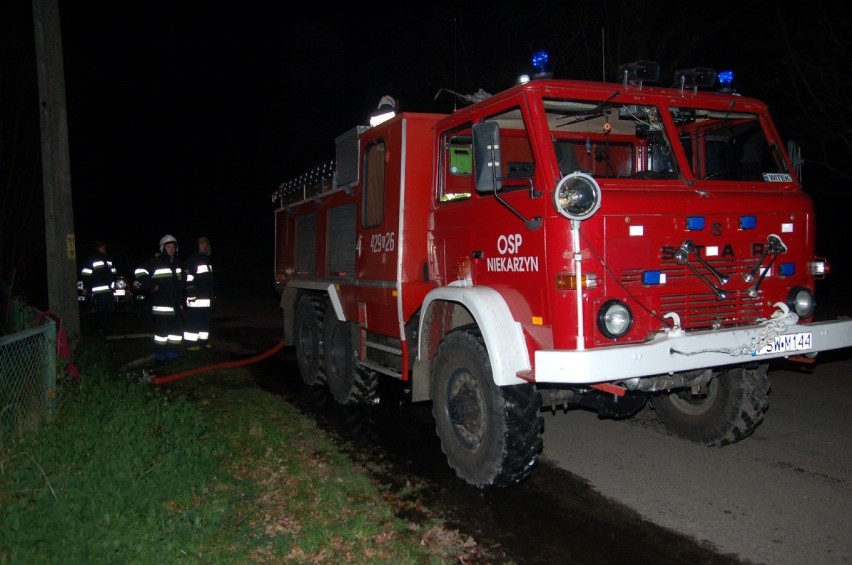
(383, 347)
(379, 368)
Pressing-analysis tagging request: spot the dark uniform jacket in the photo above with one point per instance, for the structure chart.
(164, 276)
(98, 274)
(199, 278)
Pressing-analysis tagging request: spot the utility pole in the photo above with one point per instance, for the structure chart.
(61, 250)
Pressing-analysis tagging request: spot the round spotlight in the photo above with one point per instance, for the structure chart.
(577, 196)
(615, 319)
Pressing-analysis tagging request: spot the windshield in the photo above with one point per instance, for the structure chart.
(610, 140)
(728, 145)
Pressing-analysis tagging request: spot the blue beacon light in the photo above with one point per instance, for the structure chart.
(541, 64)
(726, 81)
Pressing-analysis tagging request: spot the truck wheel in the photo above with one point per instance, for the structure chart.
(491, 435)
(308, 329)
(347, 382)
(732, 408)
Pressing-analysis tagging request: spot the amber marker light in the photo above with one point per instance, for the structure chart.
(568, 281)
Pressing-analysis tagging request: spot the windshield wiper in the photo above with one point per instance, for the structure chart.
(591, 114)
(727, 115)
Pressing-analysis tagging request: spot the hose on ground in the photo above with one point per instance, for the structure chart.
(216, 366)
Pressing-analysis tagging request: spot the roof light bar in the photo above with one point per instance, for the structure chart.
(699, 77)
(639, 72)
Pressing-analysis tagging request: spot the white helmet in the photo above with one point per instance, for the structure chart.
(167, 239)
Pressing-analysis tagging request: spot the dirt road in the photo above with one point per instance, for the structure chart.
(782, 496)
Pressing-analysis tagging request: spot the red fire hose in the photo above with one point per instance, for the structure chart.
(226, 365)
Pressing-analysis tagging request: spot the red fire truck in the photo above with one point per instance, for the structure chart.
(561, 244)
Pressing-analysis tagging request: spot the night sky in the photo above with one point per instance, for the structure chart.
(195, 118)
(184, 120)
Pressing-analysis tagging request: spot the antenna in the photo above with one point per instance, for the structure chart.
(455, 58)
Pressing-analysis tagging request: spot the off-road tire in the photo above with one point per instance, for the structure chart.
(732, 409)
(347, 382)
(308, 333)
(491, 435)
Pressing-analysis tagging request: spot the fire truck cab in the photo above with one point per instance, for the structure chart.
(559, 244)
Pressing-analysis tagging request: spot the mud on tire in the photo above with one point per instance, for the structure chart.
(348, 383)
(491, 435)
(732, 408)
(308, 333)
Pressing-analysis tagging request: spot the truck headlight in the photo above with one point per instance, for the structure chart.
(801, 301)
(577, 196)
(615, 319)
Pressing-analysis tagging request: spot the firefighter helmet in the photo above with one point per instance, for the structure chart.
(167, 239)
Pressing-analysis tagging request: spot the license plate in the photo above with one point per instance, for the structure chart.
(119, 293)
(788, 342)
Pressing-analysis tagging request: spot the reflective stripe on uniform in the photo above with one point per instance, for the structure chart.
(163, 273)
(163, 310)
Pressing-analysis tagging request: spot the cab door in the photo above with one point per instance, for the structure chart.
(488, 239)
(377, 246)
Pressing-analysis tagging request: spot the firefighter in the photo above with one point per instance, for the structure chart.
(199, 297)
(98, 275)
(163, 276)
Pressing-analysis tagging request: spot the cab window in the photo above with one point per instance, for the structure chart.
(373, 199)
(517, 160)
(456, 165)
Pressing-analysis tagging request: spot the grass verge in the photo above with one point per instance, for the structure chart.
(208, 470)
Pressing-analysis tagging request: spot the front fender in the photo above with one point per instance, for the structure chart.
(503, 335)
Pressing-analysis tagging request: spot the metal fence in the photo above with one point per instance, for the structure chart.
(27, 372)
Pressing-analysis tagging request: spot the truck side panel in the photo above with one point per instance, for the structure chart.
(392, 258)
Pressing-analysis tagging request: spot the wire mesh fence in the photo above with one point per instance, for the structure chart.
(27, 373)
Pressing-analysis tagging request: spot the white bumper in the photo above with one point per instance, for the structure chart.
(675, 351)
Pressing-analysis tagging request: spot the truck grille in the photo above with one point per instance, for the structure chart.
(699, 310)
(705, 311)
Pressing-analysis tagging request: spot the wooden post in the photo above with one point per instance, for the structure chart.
(61, 253)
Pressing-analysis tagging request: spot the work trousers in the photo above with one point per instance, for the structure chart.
(104, 305)
(198, 325)
(168, 336)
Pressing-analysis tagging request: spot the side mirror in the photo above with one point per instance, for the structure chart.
(486, 156)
